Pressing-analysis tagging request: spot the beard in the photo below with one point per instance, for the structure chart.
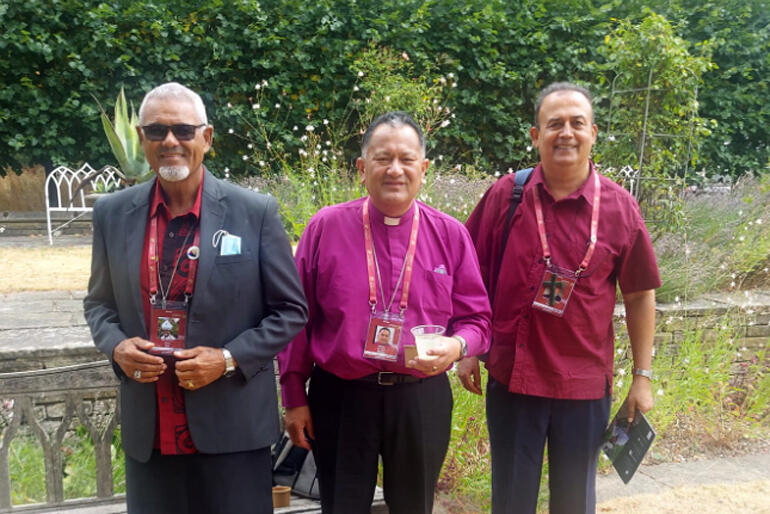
(174, 173)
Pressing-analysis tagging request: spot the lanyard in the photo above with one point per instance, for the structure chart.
(594, 227)
(154, 269)
(373, 268)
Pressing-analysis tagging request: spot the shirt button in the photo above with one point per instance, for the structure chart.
(531, 288)
(163, 400)
(171, 235)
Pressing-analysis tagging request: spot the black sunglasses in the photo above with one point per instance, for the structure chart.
(158, 131)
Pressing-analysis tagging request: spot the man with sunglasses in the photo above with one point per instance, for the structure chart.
(212, 261)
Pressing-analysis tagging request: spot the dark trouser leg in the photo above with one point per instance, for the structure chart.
(232, 483)
(517, 430)
(574, 440)
(347, 420)
(417, 424)
(229, 483)
(158, 486)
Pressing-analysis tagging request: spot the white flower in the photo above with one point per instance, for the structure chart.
(445, 123)
(450, 75)
(269, 145)
(255, 106)
(310, 128)
(229, 105)
(529, 148)
(262, 163)
(249, 146)
(355, 88)
(660, 392)
(227, 169)
(328, 143)
(245, 157)
(264, 83)
(622, 372)
(303, 138)
(619, 383)
(230, 131)
(294, 128)
(326, 122)
(277, 106)
(258, 87)
(360, 73)
(611, 137)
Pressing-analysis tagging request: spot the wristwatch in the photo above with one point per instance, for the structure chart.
(229, 364)
(463, 346)
(643, 372)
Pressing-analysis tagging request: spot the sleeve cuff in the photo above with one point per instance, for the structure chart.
(293, 391)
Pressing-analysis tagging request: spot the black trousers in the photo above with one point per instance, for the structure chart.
(519, 426)
(229, 483)
(354, 422)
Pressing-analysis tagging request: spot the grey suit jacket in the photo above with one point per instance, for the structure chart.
(252, 304)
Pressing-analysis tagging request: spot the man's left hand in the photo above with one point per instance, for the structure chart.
(639, 396)
(198, 367)
(441, 357)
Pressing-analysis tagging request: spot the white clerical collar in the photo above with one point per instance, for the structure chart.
(391, 221)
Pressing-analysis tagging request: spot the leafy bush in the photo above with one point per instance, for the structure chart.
(55, 55)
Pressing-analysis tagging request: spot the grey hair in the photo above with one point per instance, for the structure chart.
(177, 91)
(394, 119)
(562, 86)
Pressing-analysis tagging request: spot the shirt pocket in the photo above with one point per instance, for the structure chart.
(435, 295)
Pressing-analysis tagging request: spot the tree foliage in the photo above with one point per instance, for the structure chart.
(56, 54)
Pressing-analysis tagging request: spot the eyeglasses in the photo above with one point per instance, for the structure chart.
(158, 131)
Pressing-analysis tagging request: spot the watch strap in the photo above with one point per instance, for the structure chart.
(643, 372)
(463, 346)
(229, 364)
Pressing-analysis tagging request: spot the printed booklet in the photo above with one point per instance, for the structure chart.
(626, 445)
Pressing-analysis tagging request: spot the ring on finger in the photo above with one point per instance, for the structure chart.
(190, 384)
(137, 374)
(435, 369)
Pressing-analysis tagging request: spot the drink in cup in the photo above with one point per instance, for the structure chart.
(427, 337)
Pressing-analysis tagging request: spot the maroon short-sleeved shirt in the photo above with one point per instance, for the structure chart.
(537, 353)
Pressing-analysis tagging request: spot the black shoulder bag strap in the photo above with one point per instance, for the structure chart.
(520, 178)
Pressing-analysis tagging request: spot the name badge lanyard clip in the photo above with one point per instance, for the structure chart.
(386, 319)
(556, 287)
(156, 283)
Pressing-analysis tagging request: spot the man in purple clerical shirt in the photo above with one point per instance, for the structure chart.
(381, 264)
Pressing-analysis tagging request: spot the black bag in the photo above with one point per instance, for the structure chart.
(295, 467)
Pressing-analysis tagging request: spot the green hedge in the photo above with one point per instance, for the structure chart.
(55, 54)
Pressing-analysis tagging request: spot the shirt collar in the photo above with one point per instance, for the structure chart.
(157, 200)
(379, 218)
(586, 190)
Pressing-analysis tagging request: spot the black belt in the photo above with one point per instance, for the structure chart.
(388, 378)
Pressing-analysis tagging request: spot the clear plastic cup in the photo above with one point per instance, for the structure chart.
(427, 337)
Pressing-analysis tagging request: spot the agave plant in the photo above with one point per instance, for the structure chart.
(124, 141)
(125, 145)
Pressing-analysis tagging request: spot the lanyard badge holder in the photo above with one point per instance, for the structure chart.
(168, 319)
(558, 283)
(383, 334)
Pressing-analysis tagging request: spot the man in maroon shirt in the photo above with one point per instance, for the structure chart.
(193, 291)
(575, 236)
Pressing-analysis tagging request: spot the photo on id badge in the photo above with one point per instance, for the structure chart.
(168, 328)
(382, 340)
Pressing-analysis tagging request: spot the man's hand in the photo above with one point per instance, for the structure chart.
(297, 422)
(639, 396)
(441, 357)
(198, 367)
(470, 375)
(132, 357)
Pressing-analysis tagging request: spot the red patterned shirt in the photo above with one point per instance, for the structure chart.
(172, 434)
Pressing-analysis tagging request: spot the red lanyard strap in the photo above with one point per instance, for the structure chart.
(154, 270)
(594, 227)
(372, 267)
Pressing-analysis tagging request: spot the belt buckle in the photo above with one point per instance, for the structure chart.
(384, 373)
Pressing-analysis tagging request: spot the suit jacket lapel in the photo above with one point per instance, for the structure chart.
(213, 212)
(133, 244)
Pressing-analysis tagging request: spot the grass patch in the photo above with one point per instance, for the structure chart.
(45, 268)
(27, 467)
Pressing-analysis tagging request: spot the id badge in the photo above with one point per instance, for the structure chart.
(554, 291)
(168, 326)
(383, 336)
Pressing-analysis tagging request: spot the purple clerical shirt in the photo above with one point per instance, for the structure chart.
(446, 289)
